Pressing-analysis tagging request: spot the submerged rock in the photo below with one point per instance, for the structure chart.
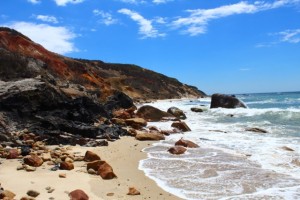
(225, 101)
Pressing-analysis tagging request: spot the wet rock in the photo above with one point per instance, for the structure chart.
(151, 113)
(287, 148)
(33, 160)
(155, 136)
(176, 112)
(194, 109)
(78, 195)
(133, 191)
(33, 193)
(181, 126)
(256, 130)
(226, 101)
(186, 143)
(66, 166)
(91, 156)
(136, 123)
(177, 150)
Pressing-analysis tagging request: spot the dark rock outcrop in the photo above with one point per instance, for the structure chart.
(153, 114)
(226, 101)
(177, 112)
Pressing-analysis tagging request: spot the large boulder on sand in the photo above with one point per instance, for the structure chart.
(153, 135)
(225, 101)
(78, 195)
(153, 114)
(176, 112)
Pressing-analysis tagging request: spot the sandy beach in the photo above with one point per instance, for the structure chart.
(123, 155)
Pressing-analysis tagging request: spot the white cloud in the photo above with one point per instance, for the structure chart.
(65, 2)
(161, 1)
(107, 18)
(146, 29)
(47, 18)
(245, 69)
(34, 1)
(54, 38)
(160, 20)
(291, 36)
(196, 22)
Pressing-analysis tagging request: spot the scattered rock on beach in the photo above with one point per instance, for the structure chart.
(155, 136)
(153, 114)
(7, 194)
(176, 112)
(186, 143)
(133, 191)
(106, 171)
(256, 130)
(12, 154)
(33, 193)
(136, 123)
(78, 195)
(66, 166)
(177, 150)
(182, 126)
(91, 156)
(33, 160)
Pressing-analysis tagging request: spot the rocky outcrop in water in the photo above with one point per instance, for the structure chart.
(225, 101)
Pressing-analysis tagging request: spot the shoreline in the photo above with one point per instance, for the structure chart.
(123, 155)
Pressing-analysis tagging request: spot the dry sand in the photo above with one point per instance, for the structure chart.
(123, 155)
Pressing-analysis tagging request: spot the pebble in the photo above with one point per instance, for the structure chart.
(33, 193)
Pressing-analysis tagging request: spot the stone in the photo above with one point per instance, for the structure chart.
(93, 165)
(91, 171)
(106, 171)
(152, 136)
(91, 156)
(153, 114)
(25, 150)
(186, 143)
(29, 168)
(133, 191)
(257, 130)
(225, 101)
(136, 123)
(12, 154)
(287, 148)
(7, 194)
(33, 193)
(176, 112)
(78, 195)
(46, 157)
(62, 175)
(194, 109)
(33, 160)
(177, 150)
(182, 126)
(66, 166)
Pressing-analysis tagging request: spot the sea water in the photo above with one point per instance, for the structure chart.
(232, 163)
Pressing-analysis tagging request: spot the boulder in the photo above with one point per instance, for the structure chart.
(226, 101)
(33, 160)
(106, 171)
(91, 156)
(177, 150)
(257, 130)
(155, 136)
(182, 126)
(186, 143)
(78, 195)
(7, 194)
(153, 114)
(66, 166)
(194, 109)
(176, 112)
(94, 165)
(136, 123)
(13, 154)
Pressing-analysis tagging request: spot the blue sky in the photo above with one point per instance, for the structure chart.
(227, 46)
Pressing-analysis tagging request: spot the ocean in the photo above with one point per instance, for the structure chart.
(232, 163)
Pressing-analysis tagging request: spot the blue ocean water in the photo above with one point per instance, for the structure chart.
(232, 163)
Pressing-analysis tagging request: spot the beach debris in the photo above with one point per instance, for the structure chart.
(186, 143)
(136, 123)
(177, 112)
(78, 195)
(66, 166)
(177, 150)
(153, 114)
(133, 191)
(287, 148)
(256, 130)
(33, 160)
(181, 126)
(32, 193)
(226, 101)
(195, 109)
(152, 135)
(91, 156)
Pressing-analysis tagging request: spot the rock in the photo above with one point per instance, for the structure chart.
(29, 168)
(155, 136)
(133, 191)
(91, 156)
(186, 143)
(153, 114)
(33, 160)
(91, 171)
(93, 165)
(33, 193)
(62, 175)
(12, 154)
(225, 101)
(27, 198)
(7, 194)
(78, 195)
(110, 194)
(106, 171)
(177, 150)
(182, 126)
(287, 148)
(136, 123)
(194, 109)
(25, 150)
(66, 166)
(257, 130)
(46, 157)
(121, 114)
(176, 112)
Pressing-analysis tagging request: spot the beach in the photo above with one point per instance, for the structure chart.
(123, 155)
